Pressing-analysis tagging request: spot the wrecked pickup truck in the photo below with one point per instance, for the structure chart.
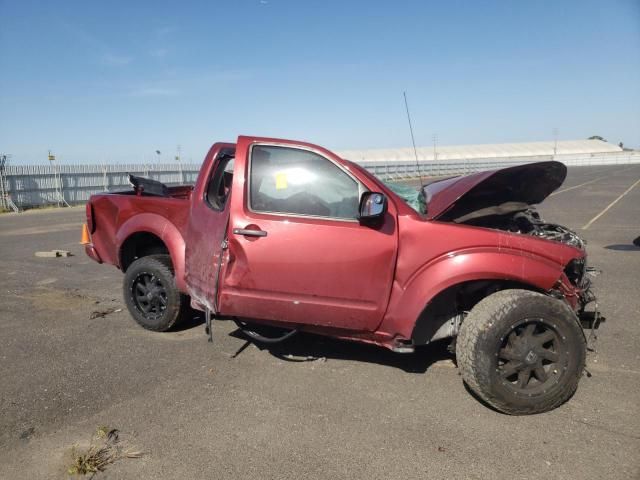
(288, 235)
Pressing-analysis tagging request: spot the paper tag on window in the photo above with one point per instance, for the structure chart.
(281, 181)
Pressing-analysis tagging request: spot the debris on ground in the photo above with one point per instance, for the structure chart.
(54, 254)
(105, 448)
(303, 358)
(104, 313)
(26, 434)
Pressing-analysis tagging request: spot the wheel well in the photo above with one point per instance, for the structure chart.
(456, 300)
(140, 245)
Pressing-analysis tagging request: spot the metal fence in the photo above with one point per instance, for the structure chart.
(390, 170)
(39, 185)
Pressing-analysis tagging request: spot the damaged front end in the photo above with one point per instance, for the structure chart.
(575, 287)
(505, 200)
(529, 222)
(586, 307)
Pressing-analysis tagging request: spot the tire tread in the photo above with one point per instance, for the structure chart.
(470, 346)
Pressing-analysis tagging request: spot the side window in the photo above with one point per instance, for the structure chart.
(290, 180)
(220, 184)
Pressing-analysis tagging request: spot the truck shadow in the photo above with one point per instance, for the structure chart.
(193, 319)
(306, 347)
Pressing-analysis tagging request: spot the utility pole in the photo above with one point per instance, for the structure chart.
(105, 183)
(57, 180)
(435, 143)
(179, 160)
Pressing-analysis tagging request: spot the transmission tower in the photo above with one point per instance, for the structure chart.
(5, 199)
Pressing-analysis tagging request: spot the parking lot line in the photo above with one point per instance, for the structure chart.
(588, 224)
(578, 186)
(591, 181)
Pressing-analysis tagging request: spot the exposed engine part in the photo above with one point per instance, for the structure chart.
(558, 233)
(530, 223)
(527, 222)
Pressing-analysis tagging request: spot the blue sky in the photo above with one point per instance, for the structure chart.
(115, 81)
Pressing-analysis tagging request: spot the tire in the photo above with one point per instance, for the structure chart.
(521, 352)
(151, 295)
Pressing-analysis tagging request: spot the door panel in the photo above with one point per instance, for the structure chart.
(208, 222)
(303, 268)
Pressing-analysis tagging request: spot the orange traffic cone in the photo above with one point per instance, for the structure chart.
(85, 239)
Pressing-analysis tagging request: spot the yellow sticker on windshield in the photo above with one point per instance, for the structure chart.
(281, 181)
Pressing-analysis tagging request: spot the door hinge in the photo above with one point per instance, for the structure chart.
(225, 244)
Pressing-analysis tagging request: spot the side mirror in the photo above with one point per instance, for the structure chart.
(373, 206)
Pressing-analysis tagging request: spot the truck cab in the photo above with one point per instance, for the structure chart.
(295, 248)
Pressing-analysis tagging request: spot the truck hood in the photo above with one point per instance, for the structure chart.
(516, 187)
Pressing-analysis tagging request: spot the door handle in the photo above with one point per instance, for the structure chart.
(249, 233)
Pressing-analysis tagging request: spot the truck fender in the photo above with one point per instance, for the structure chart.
(409, 300)
(165, 231)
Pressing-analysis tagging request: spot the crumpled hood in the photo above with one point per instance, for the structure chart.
(528, 184)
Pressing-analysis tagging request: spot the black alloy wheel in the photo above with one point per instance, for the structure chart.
(531, 358)
(151, 295)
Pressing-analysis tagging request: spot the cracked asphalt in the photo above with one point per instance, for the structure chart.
(201, 410)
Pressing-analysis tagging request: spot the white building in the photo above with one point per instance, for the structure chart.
(490, 151)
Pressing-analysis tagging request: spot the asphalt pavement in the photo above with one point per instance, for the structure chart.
(201, 410)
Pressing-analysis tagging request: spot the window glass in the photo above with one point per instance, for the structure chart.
(220, 183)
(290, 180)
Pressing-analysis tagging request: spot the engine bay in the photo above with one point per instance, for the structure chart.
(527, 222)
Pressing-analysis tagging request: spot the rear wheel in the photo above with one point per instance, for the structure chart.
(521, 352)
(151, 295)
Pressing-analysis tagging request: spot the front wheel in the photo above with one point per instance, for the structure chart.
(521, 352)
(151, 295)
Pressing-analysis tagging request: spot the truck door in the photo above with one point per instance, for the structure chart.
(297, 252)
(208, 221)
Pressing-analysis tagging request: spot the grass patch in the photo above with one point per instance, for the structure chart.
(105, 448)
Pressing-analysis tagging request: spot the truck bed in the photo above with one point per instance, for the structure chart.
(116, 215)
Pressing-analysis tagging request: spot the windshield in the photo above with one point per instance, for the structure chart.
(412, 195)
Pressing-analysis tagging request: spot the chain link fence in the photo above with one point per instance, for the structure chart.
(30, 186)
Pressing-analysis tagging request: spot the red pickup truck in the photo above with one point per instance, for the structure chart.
(287, 234)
